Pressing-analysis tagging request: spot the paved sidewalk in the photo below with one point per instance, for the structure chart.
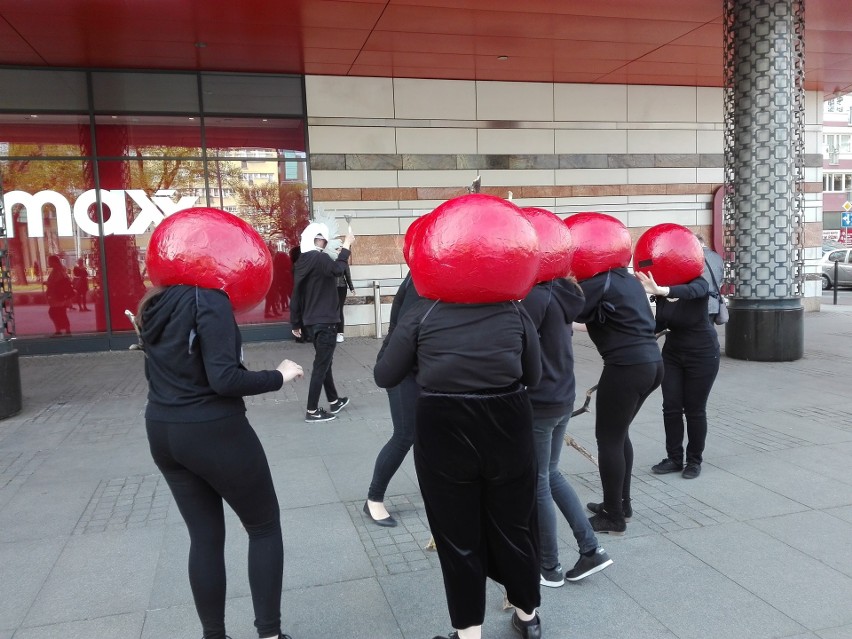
(760, 546)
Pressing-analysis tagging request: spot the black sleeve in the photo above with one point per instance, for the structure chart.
(296, 301)
(217, 338)
(531, 356)
(347, 275)
(593, 290)
(693, 290)
(398, 354)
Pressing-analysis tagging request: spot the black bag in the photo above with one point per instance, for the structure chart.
(722, 316)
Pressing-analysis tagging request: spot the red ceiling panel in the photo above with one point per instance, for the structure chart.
(635, 41)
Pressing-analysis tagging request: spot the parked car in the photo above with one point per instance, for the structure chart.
(843, 258)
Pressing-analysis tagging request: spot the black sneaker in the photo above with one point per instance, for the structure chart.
(668, 465)
(527, 629)
(603, 523)
(338, 405)
(691, 471)
(552, 578)
(319, 415)
(452, 635)
(626, 507)
(586, 566)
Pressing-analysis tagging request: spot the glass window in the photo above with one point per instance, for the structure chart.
(43, 136)
(837, 256)
(55, 282)
(252, 94)
(140, 92)
(837, 182)
(29, 89)
(148, 136)
(253, 138)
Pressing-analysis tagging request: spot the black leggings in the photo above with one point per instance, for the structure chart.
(621, 392)
(403, 406)
(205, 463)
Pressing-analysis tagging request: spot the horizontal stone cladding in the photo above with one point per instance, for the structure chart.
(409, 194)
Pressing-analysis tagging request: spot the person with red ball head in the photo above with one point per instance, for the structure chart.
(620, 323)
(195, 417)
(691, 350)
(473, 352)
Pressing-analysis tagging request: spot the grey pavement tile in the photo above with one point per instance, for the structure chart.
(356, 609)
(843, 632)
(418, 602)
(815, 533)
(99, 575)
(321, 546)
(125, 625)
(844, 513)
(303, 481)
(775, 473)
(828, 460)
(182, 621)
(690, 597)
(44, 510)
(29, 563)
(807, 590)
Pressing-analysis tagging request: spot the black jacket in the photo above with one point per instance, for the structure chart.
(193, 353)
(314, 299)
(684, 313)
(619, 318)
(458, 348)
(552, 306)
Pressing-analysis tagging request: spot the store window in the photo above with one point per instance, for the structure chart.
(837, 182)
(85, 191)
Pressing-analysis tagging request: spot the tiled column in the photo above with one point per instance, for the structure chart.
(764, 175)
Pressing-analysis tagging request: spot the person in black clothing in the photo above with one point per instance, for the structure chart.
(314, 313)
(552, 306)
(473, 449)
(691, 359)
(620, 323)
(344, 283)
(205, 447)
(403, 401)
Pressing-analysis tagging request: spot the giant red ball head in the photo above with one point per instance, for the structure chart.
(411, 237)
(212, 249)
(474, 249)
(670, 253)
(554, 243)
(600, 242)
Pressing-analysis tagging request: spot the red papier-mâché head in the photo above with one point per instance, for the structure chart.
(554, 243)
(211, 248)
(474, 249)
(600, 242)
(670, 253)
(411, 236)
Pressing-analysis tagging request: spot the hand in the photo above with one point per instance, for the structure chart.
(290, 370)
(650, 286)
(347, 241)
(297, 332)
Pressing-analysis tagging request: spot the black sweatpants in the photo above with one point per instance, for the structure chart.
(205, 463)
(476, 466)
(621, 393)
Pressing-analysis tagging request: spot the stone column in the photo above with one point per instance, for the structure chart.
(10, 371)
(764, 178)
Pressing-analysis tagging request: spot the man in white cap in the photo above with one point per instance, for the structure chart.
(314, 313)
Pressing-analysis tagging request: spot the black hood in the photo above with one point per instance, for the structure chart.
(174, 303)
(567, 296)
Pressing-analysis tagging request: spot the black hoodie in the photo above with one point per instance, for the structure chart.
(193, 358)
(553, 306)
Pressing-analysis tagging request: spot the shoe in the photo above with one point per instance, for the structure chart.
(626, 508)
(320, 415)
(339, 337)
(603, 523)
(452, 635)
(586, 566)
(338, 405)
(668, 465)
(527, 629)
(552, 578)
(691, 471)
(387, 522)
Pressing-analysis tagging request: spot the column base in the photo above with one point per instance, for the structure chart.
(10, 384)
(766, 331)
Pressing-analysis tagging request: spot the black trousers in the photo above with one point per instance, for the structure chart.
(476, 465)
(324, 339)
(621, 392)
(341, 298)
(403, 405)
(205, 463)
(686, 386)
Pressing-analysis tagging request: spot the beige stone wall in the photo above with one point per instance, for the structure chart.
(386, 151)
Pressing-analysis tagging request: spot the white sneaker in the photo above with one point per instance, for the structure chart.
(340, 337)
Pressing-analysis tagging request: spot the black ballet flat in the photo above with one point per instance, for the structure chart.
(387, 522)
